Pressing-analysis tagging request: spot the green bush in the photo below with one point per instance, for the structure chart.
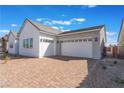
(119, 81)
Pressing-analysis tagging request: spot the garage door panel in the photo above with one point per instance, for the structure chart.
(77, 49)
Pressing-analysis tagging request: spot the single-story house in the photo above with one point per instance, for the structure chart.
(37, 40)
(13, 47)
(121, 41)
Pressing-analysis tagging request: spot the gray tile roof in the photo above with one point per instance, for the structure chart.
(53, 31)
(15, 33)
(84, 29)
(44, 28)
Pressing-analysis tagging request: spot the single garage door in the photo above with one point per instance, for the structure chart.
(77, 48)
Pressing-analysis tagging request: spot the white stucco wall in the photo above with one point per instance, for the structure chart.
(29, 31)
(15, 48)
(96, 50)
(46, 48)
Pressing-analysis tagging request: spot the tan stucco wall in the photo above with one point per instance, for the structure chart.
(121, 42)
(121, 51)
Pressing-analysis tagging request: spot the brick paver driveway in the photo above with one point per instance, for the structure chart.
(44, 72)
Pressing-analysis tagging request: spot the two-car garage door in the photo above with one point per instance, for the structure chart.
(77, 48)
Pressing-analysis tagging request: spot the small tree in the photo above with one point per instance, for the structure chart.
(5, 57)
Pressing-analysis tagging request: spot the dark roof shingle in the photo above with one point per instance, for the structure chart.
(45, 28)
(84, 29)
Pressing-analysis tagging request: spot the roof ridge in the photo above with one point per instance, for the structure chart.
(44, 27)
(83, 29)
(14, 33)
(91, 27)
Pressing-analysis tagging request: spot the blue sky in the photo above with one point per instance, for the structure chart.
(64, 17)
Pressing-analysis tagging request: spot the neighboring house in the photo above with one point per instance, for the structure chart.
(13, 43)
(37, 40)
(121, 41)
(0, 45)
(0, 42)
(5, 43)
(111, 51)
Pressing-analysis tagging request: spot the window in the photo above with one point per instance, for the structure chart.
(28, 43)
(11, 45)
(80, 40)
(57, 41)
(96, 39)
(24, 43)
(61, 41)
(89, 39)
(65, 41)
(68, 40)
(52, 41)
(85, 40)
(46, 40)
(31, 42)
(72, 40)
(41, 40)
(76, 40)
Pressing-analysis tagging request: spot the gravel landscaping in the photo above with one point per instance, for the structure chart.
(107, 74)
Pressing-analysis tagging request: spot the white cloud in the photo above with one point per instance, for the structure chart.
(61, 22)
(14, 25)
(91, 6)
(4, 31)
(69, 5)
(61, 27)
(39, 19)
(66, 30)
(110, 43)
(55, 27)
(111, 33)
(47, 23)
(63, 15)
(88, 6)
(79, 19)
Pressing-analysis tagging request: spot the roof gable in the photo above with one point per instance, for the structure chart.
(45, 28)
(50, 30)
(41, 27)
(14, 34)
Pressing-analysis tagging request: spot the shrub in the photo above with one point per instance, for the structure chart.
(119, 81)
(104, 67)
(115, 62)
